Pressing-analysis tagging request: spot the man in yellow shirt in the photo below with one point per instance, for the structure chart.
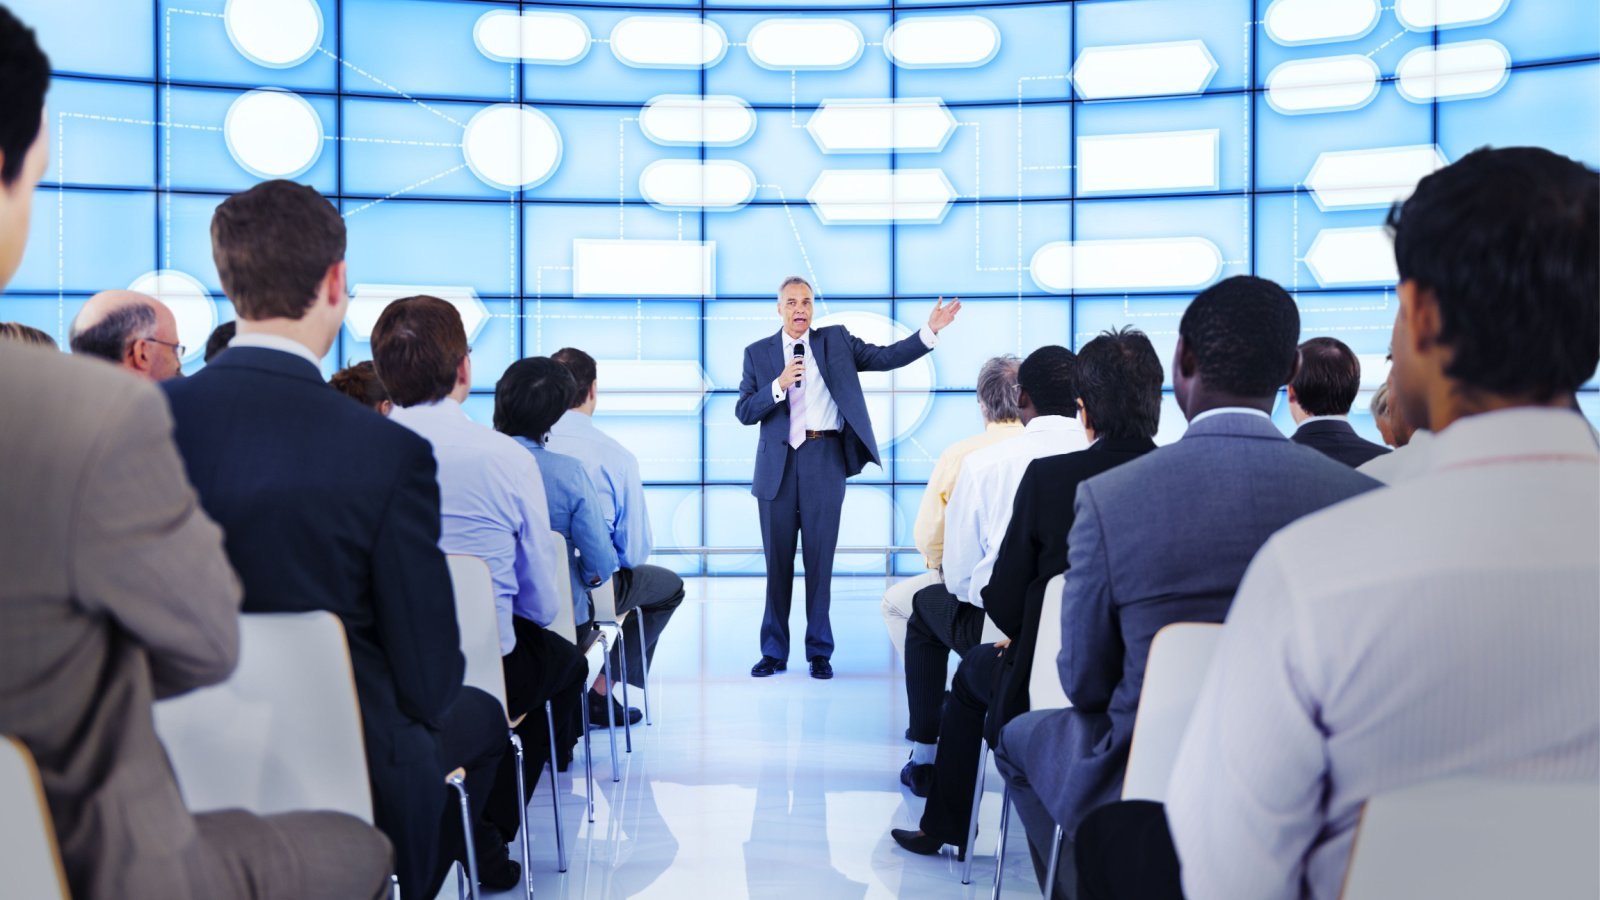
(997, 401)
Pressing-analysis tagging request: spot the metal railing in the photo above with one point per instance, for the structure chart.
(888, 553)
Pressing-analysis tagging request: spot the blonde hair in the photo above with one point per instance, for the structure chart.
(27, 334)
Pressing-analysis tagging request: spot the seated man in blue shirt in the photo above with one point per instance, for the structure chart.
(652, 590)
(492, 506)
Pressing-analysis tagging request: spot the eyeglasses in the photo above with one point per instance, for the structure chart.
(176, 348)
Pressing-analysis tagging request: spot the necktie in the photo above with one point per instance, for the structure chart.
(797, 414)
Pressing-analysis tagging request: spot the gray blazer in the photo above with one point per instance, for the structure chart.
(1162, 539)
(115, 591)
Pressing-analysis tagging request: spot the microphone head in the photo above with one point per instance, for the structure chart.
(799, 349)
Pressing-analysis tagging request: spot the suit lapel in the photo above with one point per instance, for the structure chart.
(777, 355)
(819, 347)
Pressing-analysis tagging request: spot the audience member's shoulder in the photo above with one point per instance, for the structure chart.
(47, 381)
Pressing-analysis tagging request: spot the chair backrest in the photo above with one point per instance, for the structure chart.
(1478, 838)
(565, 623)
(603, 600)
(479, 623)
(1180, 656)
(1044, 681)
(283, 733)
(29, 861)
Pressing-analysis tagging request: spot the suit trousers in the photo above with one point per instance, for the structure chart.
(939, 624)
(656, 593)
(1018, 742)
(955, 770)
(292, 856)
(1125, 852)
(542, 666)
(809, 497)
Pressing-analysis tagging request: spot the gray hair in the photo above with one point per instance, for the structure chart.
(109, 337)
(997, 389)
(1380, 402)
(795, 279)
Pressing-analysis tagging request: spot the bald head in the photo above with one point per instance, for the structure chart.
(133, 330)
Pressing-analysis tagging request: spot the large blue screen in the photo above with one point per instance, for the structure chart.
(637, 180)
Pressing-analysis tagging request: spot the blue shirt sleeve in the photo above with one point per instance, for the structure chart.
(631, 527)
(597, 558)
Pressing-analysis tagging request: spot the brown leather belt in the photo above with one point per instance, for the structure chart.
(832, 432)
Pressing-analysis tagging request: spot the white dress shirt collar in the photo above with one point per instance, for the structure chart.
(1229, 410)
(1309, 419)
(445, 408)
(1514, 436)
(1052, 423)
(276, 342)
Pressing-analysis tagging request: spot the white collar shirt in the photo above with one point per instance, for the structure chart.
(276, 342)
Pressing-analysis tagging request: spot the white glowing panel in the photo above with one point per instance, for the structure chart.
(1295, 22)
(650, 386)
(511, 147)
(1371, 179)
(1325, 84)
(189, 301)
(879, 196)
(1425, 15)
(547, 38)
(668, 42)
(1374, 370)
(602, 268)
(1459, 71)
(791, 43)
(677, 120)
(912, 125)
(1143, 70)
(1158, 161)
(1352, 256)
(368, 301)
(718, 185)
(1127, 264)
(942, 42)
(278, 34)
(273, 133)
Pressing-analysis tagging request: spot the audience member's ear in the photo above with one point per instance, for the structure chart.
(1294, 369)
(334, 280)
(1185, 357)
(1420, 310)
(138, 355)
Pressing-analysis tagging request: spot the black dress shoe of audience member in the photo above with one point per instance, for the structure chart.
(597, 712)
(918, 778)
(821, 668)
(922, 844)
(768, 666)
(497, 871)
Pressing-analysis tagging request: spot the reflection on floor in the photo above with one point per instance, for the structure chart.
(761, 788)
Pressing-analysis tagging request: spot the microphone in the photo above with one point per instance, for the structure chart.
(800, 354)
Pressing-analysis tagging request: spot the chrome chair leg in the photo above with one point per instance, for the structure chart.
(622, 659)
(977, 804)
(458, 780)
(394, 887)
(522, 817)
(555, 793)
(1055, 861)
(611, 709)
(1000, 851)
(644, 662)
(588, 751)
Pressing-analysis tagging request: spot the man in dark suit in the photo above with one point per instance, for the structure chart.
(815, 433)
(1166, 538)
(329, 506)
(1118, 387)
(1320, 397)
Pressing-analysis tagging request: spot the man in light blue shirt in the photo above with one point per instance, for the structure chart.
(492, 504)
(654, 591)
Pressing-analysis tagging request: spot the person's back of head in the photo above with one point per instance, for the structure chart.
(360, 383)
(584, 372)
(26, 334)
(1046, 383)
(1119, 385)
(24, 151)
(1499, 285)
(1328, 379)
(220, 336)
(997, 389)
(531, 395)
(1236, 346)
(133, 330)
(419, 347)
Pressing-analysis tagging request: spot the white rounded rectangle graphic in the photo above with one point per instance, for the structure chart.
(1324, 84)
(717, 185)
(878, 196)
(643, 268)
(668, 42)
(368, 301)
(1352, 256)
(716, 120)
(651, 387)
(546, 38)
(1295, 22)
(1143, 70)
(1371, 179)
(790, 43)
(1461, 71)
(1062, 267)
(1156, 161)
(1426, 15)
(942, 42)
(910, 125)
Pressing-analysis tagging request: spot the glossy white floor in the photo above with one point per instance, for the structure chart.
(761, 788)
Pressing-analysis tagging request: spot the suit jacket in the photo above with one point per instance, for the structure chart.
(1339, 441)
(841, 356)
(329, 506)
(1034, 551)
(115, 592)
(1165, 538)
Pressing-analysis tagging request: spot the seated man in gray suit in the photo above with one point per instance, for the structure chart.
(1166, 538)
(1320, 397)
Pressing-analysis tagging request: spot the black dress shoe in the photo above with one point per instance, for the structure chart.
(821, 668)
(919, 778)
(497, 871)
(767, 666)
(597, 712)
(923, 844)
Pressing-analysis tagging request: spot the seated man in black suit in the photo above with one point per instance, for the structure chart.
(328, 506)
(1320, 397)
(1118, 383)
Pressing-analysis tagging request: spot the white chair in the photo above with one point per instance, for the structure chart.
(1180, 656)
(596, 658)
(603, 603)
(29, 859)
(1478, 839)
